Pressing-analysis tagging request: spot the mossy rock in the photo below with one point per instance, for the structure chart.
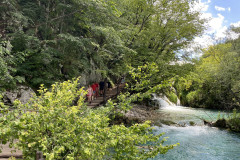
(191, 123)
(167, 122)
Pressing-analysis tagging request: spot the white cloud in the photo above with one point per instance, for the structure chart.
(219, 8)
(229, 9)
(215, 24)
(200, 6)
(237, 24)
(221, 33)
(195, 48)
(204, 41)
(216, 30)
(231, 34)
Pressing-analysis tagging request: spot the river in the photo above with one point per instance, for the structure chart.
(198, 142)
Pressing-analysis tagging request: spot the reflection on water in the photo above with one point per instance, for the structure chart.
(197, 142)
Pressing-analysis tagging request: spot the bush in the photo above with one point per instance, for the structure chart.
(50, 123)
(234, 121)
(194, 98)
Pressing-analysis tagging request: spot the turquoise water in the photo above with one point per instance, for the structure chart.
(180, 114)
(197, 142)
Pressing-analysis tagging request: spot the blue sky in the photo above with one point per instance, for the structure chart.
(221, 14)
(230, 9)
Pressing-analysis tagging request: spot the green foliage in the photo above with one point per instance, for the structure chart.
(233, 121)
(214, 81)
(64, 39)
(192, 96)
(8, 61)
(172, 97)
(148, 77)
(62, 127)
(158, 28)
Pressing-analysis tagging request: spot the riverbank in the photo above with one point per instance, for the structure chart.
(140, 114)
(232, 124)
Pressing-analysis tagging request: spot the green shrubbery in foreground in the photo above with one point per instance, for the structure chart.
(234, 121)
(52, 124)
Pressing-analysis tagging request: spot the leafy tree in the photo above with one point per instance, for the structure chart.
(8, 62)
(214, 83)
(159, 28)
(63, 39)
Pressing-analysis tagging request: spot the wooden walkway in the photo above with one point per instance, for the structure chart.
(109, 94)
(6, 151)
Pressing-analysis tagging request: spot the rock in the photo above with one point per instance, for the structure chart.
(192, 123)
(207, 123)
(88, 78)
(221, 123)
(22, 93)
(142, 113)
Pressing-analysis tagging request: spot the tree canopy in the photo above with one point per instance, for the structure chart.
(58, 40)
(214, 81)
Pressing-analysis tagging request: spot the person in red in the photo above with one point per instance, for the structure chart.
(97, 89)
(94, 90)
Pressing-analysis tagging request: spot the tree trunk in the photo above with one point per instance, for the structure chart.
(118, 83)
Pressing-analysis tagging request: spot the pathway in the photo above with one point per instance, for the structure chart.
(109, 94)
(8, 152)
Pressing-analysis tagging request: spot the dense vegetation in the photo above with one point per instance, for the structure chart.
(52, 124)
(45, 41)
(214, 79)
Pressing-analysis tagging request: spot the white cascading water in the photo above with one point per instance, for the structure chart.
(163, 101)
(165, 105)
(178, 102)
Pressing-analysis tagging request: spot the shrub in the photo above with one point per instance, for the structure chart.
(50, 123)
(234, 121)
(194, 98)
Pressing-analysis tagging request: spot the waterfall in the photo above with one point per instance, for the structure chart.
(178, 102)
(162, 101)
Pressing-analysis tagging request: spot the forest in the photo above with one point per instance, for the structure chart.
(48, 44)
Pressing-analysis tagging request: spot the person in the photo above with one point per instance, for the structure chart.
(101, 84)
(90, 93)
(94, 90)
(109, 85)
(97, 89)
